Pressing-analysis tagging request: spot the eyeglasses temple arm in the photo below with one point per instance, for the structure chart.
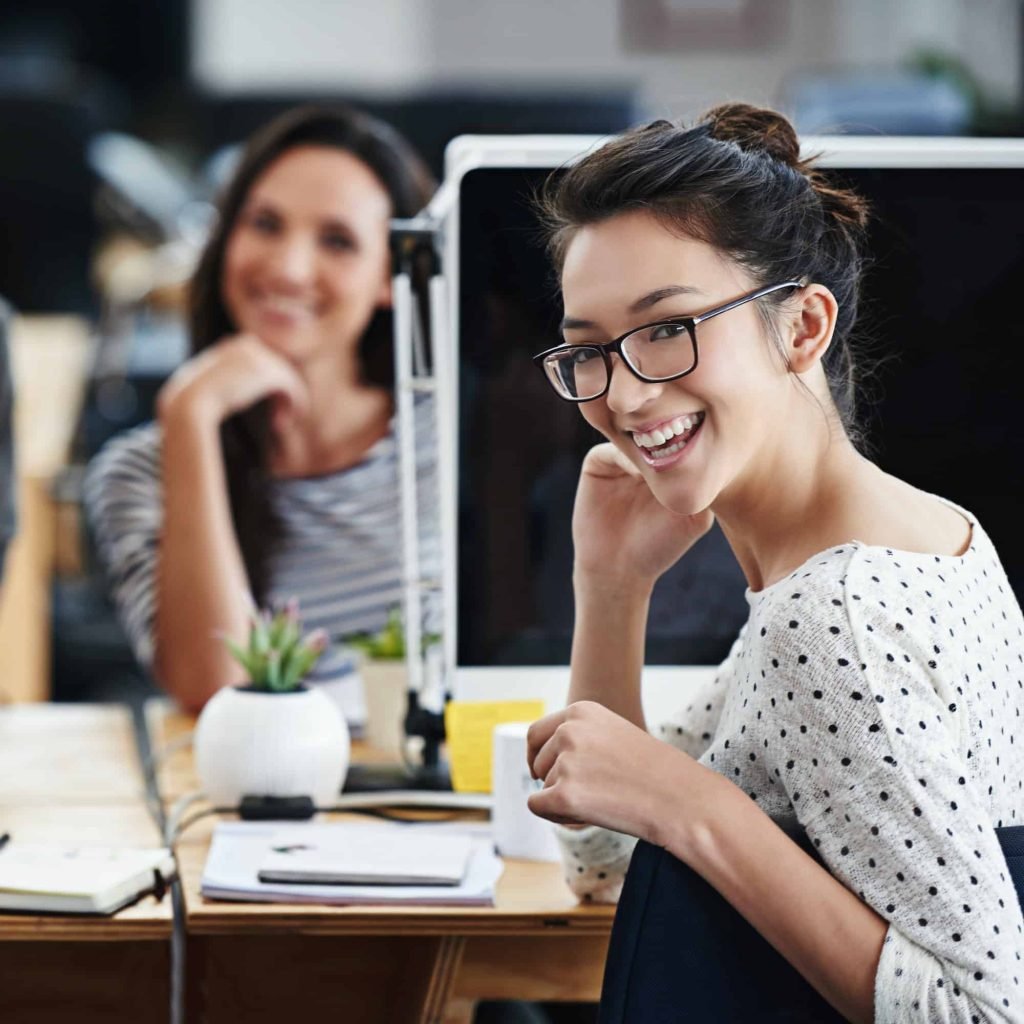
(759, 294)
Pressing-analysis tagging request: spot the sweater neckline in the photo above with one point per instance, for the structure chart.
(861, 547)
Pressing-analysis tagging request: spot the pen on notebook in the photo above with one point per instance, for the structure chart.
(4, 839)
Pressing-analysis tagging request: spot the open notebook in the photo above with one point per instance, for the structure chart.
(65, 879)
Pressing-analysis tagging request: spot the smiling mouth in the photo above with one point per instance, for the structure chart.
(669, 438)
(293, 309)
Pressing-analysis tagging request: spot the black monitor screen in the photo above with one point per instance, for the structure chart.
(946, 260)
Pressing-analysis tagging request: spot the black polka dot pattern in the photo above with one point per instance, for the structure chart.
(881, 692)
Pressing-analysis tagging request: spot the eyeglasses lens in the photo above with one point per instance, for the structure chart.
(578, 373)
(659, 351)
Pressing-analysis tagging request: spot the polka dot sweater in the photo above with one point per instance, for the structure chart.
(875, 697)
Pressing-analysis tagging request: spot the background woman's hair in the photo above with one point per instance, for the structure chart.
(736, 181)
(246, 437)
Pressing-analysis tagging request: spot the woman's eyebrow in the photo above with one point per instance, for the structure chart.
(570, 323)
(653, 298)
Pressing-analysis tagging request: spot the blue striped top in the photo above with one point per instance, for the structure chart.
(340, 553)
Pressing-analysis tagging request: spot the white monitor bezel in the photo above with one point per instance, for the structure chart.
(662, 685)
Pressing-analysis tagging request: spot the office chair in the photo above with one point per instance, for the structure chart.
(679, 951)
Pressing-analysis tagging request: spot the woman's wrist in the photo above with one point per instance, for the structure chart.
(612, 587)
(189, 409)
(690, 831)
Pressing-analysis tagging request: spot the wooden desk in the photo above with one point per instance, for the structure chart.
(258, 962)
(50, 358)
(70, 773)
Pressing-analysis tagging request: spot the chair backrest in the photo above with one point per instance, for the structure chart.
(679, 951)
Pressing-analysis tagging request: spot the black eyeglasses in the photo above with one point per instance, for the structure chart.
(655, 353)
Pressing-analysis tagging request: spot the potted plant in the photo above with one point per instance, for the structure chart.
(382, 667)
(397, 722)
(273, 735)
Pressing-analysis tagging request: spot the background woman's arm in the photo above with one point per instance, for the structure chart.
(201, 583)
(202, 587)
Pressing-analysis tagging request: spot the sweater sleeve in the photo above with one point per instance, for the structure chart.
(878, 768)
(124, 507)
(595, 858)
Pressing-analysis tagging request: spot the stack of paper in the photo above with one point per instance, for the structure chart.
(352, 863)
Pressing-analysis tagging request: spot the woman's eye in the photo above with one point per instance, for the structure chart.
(666, 332)
(338, 241)
(264, 222)
(583, 355)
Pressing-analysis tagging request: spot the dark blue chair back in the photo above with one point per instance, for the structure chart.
(680, 952)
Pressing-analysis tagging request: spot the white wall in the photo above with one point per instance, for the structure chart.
(275, 46)
(397, 45)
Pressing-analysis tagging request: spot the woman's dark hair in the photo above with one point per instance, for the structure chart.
(736, 181)
(246, 436)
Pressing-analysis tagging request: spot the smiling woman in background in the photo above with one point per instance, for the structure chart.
(710, 279)
(272, 469)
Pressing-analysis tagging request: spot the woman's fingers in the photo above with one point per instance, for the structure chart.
(539, 733)
(551, 802)
(546, 757)
(605, 460)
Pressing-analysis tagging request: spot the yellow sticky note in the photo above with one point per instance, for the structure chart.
(469, 726)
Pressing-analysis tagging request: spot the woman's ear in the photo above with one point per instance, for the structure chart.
(812, 323)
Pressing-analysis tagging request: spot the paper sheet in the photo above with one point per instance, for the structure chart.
(469, 726)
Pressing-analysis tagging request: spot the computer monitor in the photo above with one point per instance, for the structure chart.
(946, 260)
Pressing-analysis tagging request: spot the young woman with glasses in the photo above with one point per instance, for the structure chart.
(710, 279)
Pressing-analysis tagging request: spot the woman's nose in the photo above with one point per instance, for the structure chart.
(626, 393)
(292, 260)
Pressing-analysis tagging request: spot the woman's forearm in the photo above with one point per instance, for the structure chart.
(202, 586)
(829, 935)
(608, 644)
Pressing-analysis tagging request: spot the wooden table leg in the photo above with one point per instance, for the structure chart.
(447, 959)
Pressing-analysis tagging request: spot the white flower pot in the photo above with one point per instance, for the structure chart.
(253, 743)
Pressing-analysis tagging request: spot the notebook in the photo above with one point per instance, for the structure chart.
(66, 879)
(346, 854)
(240, 848)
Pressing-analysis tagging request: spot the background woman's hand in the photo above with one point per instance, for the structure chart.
(600, 769)
(619, 528)
(233, 375)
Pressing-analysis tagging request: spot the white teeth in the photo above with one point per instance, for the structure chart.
(289, 307)
(665, 452)
(680, 425)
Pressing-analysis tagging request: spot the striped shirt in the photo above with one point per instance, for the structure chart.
(340, 552)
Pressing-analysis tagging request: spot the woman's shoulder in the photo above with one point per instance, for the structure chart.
(856, 602)
(130, 458)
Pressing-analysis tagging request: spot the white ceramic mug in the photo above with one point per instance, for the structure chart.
(517, 831)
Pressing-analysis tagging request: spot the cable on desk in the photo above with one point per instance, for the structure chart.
(157, 757)
(172, 824)
(377, 810)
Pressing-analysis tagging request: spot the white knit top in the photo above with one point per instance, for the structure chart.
(875, 696)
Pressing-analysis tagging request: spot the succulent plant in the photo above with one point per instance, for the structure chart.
(389, 643)
(278, 656)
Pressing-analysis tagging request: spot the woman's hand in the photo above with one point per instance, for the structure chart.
(619, 529)
(600, 769)
(233, 375)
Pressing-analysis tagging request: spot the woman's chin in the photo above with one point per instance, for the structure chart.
(679, 501)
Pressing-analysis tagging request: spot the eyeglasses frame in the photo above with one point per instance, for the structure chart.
(689, 322)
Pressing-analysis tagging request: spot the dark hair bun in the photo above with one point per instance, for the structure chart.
(755, 128)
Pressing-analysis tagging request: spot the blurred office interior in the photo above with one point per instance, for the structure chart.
(117, 121)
